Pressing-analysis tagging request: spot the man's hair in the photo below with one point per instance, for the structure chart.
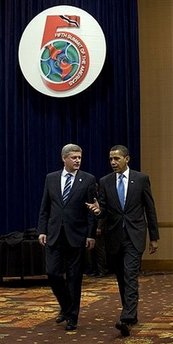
(70, 147)
(124, 150)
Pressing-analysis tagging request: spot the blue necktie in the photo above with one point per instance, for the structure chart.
(67, 187)
(120, 190)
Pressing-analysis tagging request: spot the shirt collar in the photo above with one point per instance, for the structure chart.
(125, 173)
(64, 173)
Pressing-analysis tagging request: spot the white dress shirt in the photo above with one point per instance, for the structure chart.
(64, 177)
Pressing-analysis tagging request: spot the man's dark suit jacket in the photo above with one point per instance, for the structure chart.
(138, 214)
(79, 223)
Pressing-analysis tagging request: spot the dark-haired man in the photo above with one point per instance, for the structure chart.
(126, 202)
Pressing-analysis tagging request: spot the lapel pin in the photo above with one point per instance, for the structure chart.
(132, 181)
(80, 180)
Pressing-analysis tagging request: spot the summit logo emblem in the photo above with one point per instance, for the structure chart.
(62, 51)
(64, 60)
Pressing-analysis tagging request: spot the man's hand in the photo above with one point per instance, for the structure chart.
(94, 207)
(153, 246)
(42, 239)
(90, 243)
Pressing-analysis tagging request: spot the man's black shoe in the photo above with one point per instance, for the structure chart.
(133, 322)
(60, 318)
(71, 326)
(124, 328)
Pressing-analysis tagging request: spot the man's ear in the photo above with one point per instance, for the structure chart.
(127, 159)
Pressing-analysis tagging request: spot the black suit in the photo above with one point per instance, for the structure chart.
(67, 226)
(126, 231)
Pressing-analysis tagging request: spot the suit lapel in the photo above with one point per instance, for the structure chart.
(58, 187)
(130, 189)
(113, 190)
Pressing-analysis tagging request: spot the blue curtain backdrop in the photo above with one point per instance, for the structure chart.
(34, 127)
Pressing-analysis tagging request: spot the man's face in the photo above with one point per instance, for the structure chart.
(72, 161)
(118, 162)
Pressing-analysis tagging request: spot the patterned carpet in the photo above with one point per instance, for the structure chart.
(28, 310)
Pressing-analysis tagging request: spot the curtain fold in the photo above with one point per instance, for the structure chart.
(34, 127)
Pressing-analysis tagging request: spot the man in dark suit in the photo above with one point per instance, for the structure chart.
(66, 227)
(126, 228)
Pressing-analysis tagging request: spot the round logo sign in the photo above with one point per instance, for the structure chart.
(62, 51)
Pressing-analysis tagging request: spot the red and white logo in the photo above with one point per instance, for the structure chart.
(62, 51)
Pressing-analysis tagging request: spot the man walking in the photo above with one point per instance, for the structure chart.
(126, 203)
(65, 228)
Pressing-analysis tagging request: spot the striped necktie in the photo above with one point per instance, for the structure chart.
(120, 190)
(67, 187)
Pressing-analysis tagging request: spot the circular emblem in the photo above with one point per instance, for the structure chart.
(62, 51)
(62, 64)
